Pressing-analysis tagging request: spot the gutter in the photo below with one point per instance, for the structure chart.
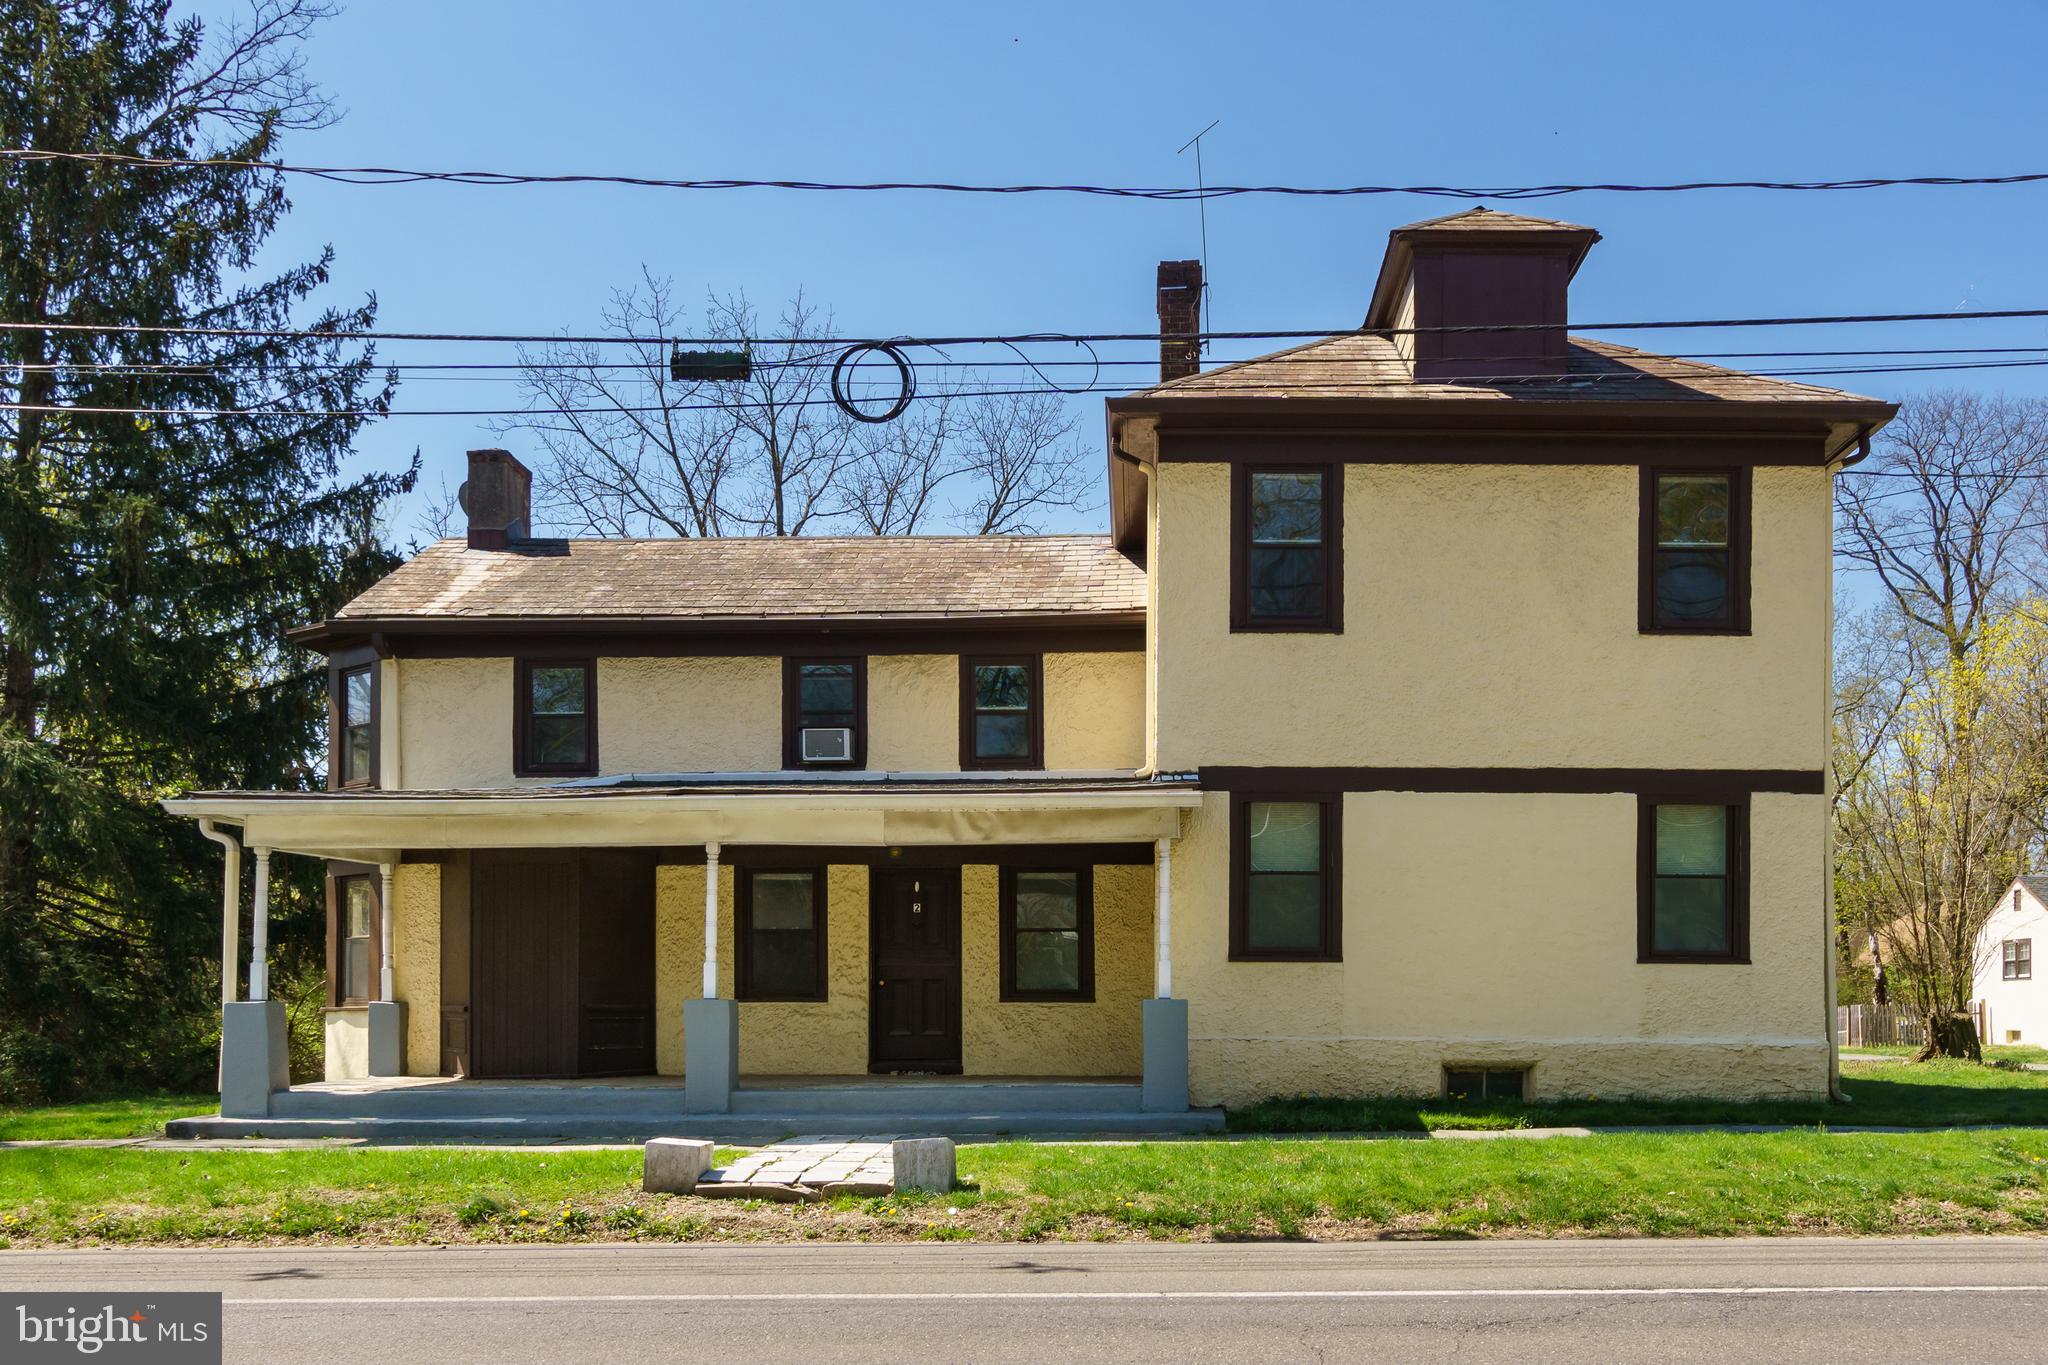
(230, 907)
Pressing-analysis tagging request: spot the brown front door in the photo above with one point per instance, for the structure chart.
(914, 1003)
(523, 928)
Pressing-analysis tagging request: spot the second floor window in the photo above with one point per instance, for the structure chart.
(1695, 572)
(356, 712)
(1286, 537)
(557, 718)
(1001, 713)
(824, 701)
(2017, 959)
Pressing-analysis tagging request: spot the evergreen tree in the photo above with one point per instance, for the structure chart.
(150, 564)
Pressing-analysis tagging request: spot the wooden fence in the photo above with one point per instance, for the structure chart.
(1886, 1026)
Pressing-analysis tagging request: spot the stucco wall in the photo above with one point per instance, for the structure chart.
(777, 1038)
(346, 1033)
(1503, 929)
(914, 713)
(416, 963)
(1019, 1038)
(1094, 710)
(1490, 621)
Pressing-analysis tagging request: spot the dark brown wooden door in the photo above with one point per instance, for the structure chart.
(914, 1003)
(615, 1034)
(523, 928)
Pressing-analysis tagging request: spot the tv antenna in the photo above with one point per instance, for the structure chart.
(1202, 208)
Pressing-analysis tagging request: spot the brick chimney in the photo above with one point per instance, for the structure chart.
(1479, 269)
(1180, 319)
(498, 500)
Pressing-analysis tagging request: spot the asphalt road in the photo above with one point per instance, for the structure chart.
(1779, 1300)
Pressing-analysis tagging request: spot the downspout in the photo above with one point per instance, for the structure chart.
(1828, 991)
(230, 908)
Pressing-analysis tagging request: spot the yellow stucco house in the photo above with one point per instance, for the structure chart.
(1446, 708)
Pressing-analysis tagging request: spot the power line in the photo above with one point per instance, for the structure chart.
(390, 175)
(836, 343)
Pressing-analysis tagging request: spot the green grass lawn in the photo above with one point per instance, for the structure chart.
(116, 1117)
(1636, 1184)
(1885, 1094)
(2016, 1053)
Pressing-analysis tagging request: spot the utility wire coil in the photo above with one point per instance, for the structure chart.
(905, 375)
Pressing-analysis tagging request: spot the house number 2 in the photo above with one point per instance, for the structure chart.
(916, 892)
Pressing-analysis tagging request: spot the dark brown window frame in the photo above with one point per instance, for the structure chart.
(792, 713)
(1738, 803)
(1035, 715)
(339, 873)
(743, 936)
(339, 667)
(1084, 924)
(2009, 967)
(1331, 621)
(1332, 857)
(522, 716)
(1738, 477)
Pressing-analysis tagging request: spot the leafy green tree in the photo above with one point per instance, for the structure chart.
(150, 562)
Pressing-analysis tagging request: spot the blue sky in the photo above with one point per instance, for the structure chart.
(1105, 93)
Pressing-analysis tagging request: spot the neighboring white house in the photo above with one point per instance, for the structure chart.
(2014, 1005)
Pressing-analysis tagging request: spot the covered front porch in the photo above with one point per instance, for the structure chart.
(991, 952)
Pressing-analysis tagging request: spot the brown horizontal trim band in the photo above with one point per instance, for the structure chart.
(1121, 633)
(1515, 781)
(916, 855)
(1520, 448)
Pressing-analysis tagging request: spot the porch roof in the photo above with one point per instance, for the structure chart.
(684, 809)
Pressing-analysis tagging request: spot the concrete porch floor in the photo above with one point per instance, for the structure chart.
(764, 1108)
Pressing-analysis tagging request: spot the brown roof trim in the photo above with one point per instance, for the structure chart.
(482, 637)
(1666, 782)
(1511, 414)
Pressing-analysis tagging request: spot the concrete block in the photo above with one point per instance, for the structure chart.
(254, 1057)
(387, 1038)
(674, 1165)
(1166, 1056)
(711, 1055)
(923, 1163)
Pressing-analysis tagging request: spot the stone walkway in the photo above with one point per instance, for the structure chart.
(814, 1166)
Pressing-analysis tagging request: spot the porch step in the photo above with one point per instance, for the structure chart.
(636, 1104)
(938, 1098)
(744, 1128)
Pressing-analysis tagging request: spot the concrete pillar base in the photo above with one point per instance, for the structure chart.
(711, 1055)
(1166, 1056)
(254, 1057)
(387, 1038)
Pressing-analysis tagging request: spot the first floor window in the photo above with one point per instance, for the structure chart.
(557, 710)
(356, 717)
(357, 904)
(2017, 959)
(1048, 932)
(1693, 896)
(781, 925)
(1284, 896)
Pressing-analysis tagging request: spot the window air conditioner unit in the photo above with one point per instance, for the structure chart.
(827, 745)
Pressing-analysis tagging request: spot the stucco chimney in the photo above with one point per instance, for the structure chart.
(498, 500)
(1180, 319)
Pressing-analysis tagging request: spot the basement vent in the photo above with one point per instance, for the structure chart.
(1475, 1083)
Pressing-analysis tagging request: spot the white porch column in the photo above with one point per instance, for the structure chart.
(387, 873)
(711, 921)
(1162, 874)
(259, 931)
